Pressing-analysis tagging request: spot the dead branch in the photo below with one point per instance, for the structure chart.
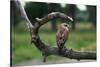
(46, 50)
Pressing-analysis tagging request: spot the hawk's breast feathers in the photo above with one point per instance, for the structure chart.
(62, 35)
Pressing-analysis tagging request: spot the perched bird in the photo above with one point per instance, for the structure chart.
(62, 35)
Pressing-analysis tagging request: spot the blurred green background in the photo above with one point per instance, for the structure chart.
(82, 35)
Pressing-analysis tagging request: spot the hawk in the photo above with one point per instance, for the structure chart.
(62, 35)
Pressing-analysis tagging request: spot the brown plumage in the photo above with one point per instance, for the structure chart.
(62, 35)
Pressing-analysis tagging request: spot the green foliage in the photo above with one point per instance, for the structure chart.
(82, 39)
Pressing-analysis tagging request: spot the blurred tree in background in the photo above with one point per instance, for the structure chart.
(92, 14)
(70, 11)
(36, 9)
(40, 9)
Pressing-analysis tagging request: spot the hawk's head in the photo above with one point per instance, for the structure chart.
(65, 25)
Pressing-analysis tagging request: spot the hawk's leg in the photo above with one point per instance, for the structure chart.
(44, 58)
(44, 54)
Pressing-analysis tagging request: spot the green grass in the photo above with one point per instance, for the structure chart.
(82, 39)
(22, 48)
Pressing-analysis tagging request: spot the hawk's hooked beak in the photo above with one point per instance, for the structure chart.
(71, 19)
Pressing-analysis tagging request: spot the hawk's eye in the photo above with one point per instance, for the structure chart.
(65, 25)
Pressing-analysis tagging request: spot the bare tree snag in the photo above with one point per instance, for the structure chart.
(47, 50)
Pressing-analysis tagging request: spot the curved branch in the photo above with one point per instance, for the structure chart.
(46, 50)
(53, 15)
(35, 35)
